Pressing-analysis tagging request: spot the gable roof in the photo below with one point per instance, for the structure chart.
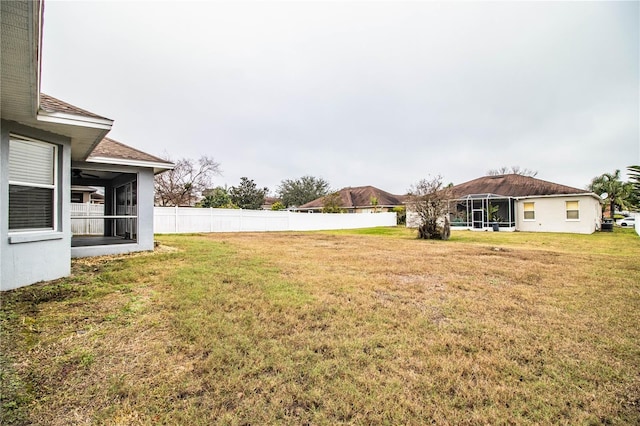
(359, 196)
(109, 151)
(513, 185)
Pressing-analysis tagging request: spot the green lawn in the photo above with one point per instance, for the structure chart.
(345, 327)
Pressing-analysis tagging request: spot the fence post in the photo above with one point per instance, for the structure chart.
(176, 219)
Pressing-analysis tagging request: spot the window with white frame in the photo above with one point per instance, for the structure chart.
(573, 210)
(33, 169)
(529, 211)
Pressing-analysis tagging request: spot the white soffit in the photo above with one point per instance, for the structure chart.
(74, 120)
(20, 59)
(157, 167)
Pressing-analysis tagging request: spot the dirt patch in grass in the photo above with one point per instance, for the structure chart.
(304, 328)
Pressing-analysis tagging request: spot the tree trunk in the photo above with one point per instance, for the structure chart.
(613, 208)
(431, 231)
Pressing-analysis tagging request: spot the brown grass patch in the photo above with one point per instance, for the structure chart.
(304, 328)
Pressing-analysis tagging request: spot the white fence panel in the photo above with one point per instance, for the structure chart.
(171, 220)
(87, 226)
(323, 221)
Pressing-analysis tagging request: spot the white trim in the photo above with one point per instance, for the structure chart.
(125, 162)
(32, 185)
(30, 237)
(115, 216)
(74, 120)
(583, 194)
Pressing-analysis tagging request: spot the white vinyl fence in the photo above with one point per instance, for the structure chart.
(87, 226)
(171, 220)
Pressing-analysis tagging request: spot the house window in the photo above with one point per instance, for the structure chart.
(573, 210)
(77, 197)
(529, 211)
(32, 184)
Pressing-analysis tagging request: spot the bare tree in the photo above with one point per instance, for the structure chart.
(516, 170)
(183, 185)
(429, 200)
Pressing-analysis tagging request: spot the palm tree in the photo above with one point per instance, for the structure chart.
(616, 191)
(634, 178)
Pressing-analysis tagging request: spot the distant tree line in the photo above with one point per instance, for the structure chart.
(190, 183)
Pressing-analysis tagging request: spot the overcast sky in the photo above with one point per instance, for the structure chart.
(358, 93)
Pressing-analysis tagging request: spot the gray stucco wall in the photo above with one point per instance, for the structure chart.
(145, 213)
(29, 257)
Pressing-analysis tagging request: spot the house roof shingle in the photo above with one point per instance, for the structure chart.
(51, 104)
(512, 185)
(109, 148)
(359, 197)
(106, 148)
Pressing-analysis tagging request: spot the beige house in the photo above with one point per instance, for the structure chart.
(521, 203)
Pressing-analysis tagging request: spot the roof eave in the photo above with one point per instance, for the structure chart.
(580, 194)
(74, 120)
(157, 166)
(85, 131)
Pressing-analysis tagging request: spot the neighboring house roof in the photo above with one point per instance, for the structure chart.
(359, 197)
(513, 185)
(83, 188)
(271, 200)
(94, 195)
(110, 151)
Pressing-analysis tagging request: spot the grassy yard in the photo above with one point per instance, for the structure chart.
(359, 327)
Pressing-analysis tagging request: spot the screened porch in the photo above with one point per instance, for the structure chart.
(483, 212)
(111, 220)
